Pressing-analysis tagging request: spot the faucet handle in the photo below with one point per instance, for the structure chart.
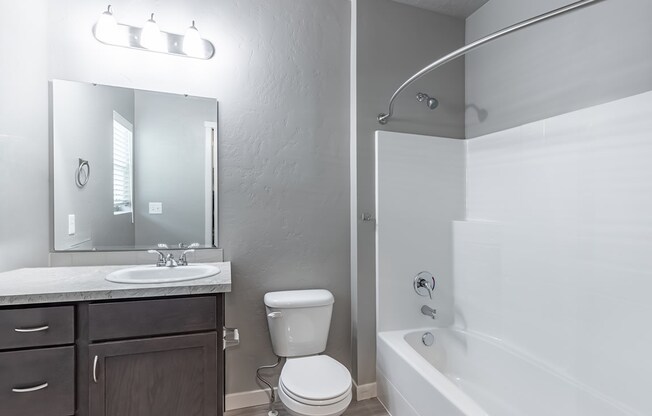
(424, 280)
(161, 257)
(183, 261)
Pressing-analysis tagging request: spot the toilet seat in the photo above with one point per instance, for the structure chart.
(312, 402)
(315, 385)
(295, 408)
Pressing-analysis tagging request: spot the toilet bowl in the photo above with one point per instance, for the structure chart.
(311, 383)
(315, 386)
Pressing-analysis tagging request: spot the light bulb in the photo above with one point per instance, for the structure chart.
(106, 27)
(192, 42)
(151, 36)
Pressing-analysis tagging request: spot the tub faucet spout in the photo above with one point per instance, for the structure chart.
(428, 311)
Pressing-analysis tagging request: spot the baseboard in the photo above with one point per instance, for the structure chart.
(246, 399)
(365, 391)
(253, 398)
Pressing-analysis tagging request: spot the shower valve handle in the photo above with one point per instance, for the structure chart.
(424, 280)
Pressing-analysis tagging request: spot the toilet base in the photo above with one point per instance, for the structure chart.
(294, 408)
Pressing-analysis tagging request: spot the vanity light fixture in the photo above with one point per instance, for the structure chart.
(192, 44)
(106, 27)
(151, 38)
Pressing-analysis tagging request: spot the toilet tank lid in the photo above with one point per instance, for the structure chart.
(299, 298)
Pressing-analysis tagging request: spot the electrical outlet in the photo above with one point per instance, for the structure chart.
(156, 208)
(71, 224)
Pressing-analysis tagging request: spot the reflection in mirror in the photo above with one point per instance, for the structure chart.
(132, 169)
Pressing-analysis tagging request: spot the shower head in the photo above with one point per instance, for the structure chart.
(431, 102)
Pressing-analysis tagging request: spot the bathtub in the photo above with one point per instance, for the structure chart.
(468, 374)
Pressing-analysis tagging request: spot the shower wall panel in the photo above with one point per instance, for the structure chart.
(555, 257)
(419, 193)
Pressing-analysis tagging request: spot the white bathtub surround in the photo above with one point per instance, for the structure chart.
(75, 284)
(555, 260)
(552, 272)
(419, 192)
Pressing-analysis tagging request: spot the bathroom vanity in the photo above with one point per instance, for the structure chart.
(74, 344)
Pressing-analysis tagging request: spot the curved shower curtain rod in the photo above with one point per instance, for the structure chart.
(383, 118)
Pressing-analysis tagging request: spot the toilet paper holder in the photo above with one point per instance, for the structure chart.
(230, 337)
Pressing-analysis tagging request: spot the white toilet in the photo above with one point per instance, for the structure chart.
(310, 384)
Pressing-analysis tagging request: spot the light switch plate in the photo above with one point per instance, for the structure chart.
(71, 224)
(156, 208)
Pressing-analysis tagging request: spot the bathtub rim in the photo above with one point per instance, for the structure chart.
(401, 334)
(395, 340)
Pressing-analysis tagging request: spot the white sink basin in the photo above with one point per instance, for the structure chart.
(153, 274)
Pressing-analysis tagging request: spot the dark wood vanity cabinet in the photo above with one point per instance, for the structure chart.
(152, 357)
(37, 361)
(38, 382)
(154, 377)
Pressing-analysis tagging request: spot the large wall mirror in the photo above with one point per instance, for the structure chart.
(132, 169)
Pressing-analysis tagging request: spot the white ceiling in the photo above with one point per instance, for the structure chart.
(457, 8)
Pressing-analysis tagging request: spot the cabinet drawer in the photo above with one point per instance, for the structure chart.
(36, 327)
(134, 319)
(38, 382)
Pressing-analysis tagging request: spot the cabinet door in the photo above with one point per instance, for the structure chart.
(168, 376)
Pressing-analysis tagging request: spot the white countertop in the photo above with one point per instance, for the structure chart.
(78, 284)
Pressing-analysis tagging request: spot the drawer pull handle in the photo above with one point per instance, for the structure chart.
(31, 389)
(95, 369)
(37, 329)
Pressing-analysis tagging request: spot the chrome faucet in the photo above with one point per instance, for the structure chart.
(163, 260)
(428, 311)
(161, 257)
(183, 261)
(170, 261)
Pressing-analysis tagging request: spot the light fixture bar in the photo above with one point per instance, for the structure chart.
(129, 37)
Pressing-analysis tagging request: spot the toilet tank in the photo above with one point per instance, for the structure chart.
(299, 321)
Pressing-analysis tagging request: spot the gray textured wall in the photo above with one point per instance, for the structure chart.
(169, 151)
(393, 42)
(83, 128)
(284, 157)
(24, 189)
(593, 55)
(281, 76)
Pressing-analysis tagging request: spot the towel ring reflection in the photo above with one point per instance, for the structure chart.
(83, 173)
